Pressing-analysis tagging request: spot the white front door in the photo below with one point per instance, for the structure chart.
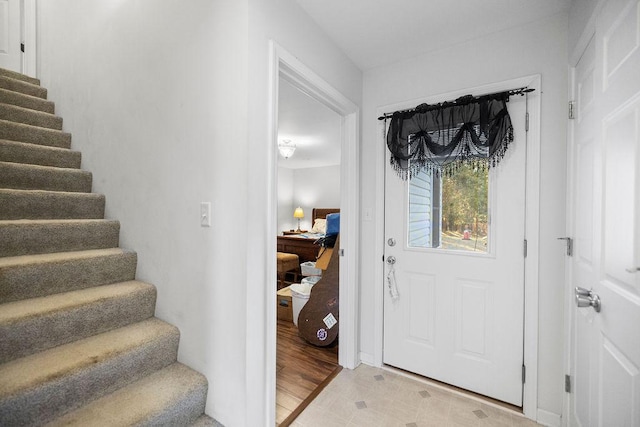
(10, 55)
(458, 317)
(604, 205)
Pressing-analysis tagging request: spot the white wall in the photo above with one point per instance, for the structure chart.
(308, 188)
(316, 188)
(158, 95)
(538, 48)
(579, 15)
(285, 199)
(155, 94)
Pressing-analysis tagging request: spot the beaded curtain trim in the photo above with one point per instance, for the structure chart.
(441, 137)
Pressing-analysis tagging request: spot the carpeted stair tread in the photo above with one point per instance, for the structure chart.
(30, 154)
(13, 113)
(36, 324)
(21, 86)
(42, 204)
(78, 341)
(19, 76)
(173, 396)
(29, 237)
(39, 388)
(20, 176)
(26, 101)
(205, 421)
(32, 276)
(34, 134)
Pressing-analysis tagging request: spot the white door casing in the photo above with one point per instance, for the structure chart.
(604, 351)
(18, 24)
(459, 317)
(284, 64)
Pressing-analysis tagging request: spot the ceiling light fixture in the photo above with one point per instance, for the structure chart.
(286, 148)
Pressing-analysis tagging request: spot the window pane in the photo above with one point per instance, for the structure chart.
(449, 212)
(421, 215)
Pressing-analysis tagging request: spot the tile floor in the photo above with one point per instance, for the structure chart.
(370, 397)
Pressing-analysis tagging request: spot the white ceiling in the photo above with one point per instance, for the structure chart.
(313, 127)
(379, 32)
(374, 33)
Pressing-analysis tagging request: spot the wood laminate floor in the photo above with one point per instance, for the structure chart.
(302, 371)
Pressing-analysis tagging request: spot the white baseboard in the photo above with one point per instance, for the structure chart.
(367, 359)
(549, 419)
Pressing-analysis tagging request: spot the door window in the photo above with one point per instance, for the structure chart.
(449, 212)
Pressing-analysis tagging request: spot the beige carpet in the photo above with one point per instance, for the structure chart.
(79, 343)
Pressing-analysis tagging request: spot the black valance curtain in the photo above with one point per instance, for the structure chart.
(440, 137)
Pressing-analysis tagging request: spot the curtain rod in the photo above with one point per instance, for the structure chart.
(463, 100)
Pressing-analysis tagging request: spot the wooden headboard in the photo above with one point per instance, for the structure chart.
(322, 213)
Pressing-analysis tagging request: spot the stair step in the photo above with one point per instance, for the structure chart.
(20, 176)
(34, 134)
(205, 421)
(22, 152)
(30, 237)
(19, 76)
(43, 386)
(26, 101)
(38, 204)
(32, 276)
(173, 396)
(37, 324)
(21, 86)
(13, 113)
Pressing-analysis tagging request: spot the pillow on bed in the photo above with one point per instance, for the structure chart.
(319, 226)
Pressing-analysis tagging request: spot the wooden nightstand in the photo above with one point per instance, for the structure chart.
(290, 232)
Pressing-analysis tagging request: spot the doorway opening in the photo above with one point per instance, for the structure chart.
(309, 153)
(288, 68)
(531, 234)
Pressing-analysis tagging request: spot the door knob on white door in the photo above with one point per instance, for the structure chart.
(586, 298)
(632, 269)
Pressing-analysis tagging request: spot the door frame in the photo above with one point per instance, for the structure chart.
(284, 64)
(29, 37)
(532, 227)
(588, 33)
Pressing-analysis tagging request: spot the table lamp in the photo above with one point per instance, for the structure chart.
(298, 213)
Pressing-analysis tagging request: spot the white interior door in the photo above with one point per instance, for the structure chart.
(458, 317)
(10, 55)
(605, 153)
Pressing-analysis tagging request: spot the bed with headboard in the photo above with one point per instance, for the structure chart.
(303, 244)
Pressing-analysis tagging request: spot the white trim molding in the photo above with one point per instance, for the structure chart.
(29, 38)
(550, 419)
(532, 227)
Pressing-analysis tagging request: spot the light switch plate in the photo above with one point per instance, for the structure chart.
(205, 214)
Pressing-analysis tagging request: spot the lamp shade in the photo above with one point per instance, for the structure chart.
(298, 213)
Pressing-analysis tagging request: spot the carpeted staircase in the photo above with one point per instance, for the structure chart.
(79, 343)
